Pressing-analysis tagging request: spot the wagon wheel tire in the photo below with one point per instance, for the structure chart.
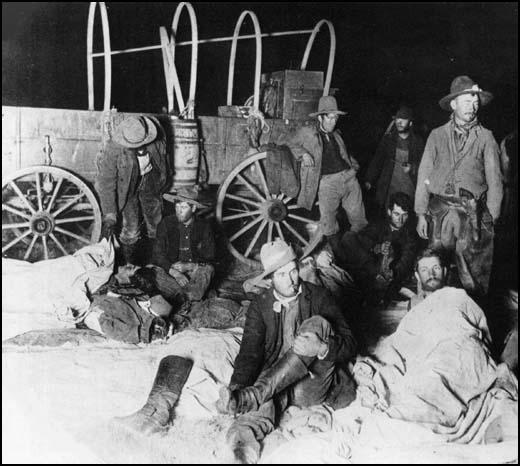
(249, 213)
(47, 212)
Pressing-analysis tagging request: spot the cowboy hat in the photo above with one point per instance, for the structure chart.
(188, 194)
(135, 131)
(274, 255)
(404, 113)
(464, 85)
(327, 104)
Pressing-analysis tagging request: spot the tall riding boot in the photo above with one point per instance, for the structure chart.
(155, 415)
(127, 251)
(285, 372)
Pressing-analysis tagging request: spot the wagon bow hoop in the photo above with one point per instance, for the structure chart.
(332, 52)
(258, 63)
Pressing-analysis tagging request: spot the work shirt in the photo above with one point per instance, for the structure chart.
(185, 254)
(401, 181)
(332, 162)
(475, 168)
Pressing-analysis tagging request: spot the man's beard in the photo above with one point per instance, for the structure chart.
(433, 284)
(403, 129)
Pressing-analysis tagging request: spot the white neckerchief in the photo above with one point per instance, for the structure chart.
(283, 301)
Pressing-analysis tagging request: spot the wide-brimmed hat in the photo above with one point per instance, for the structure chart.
(327, 104)
(404, 112)
(274, 255)
(464, 85)
(135, 131)
(188, 194)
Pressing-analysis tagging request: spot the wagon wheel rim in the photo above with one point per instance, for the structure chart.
(247, 207)
(47, 212)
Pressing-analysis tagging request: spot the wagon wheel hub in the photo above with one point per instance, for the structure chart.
(277, 211)
(42, 224)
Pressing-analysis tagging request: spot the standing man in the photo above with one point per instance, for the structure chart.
(185, 248)
(329, 171)
(295, 350)
(394, 166)
(132, 175)
(460, 185)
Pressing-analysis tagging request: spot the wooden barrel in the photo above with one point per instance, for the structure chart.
(186, 152)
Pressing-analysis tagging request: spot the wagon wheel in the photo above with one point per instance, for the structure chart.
(47, 212)
(250, 215)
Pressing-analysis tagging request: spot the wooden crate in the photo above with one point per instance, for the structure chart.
(298, 92)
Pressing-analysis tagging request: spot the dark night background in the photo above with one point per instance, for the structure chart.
(387, 53)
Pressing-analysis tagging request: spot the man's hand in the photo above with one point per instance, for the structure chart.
(422, 227)
(385, 248)
(179, 277)
(309, 344)
(226, 403)
(108, 227)
(237, 401)
(184, 267)
(307, 160)
(324, 259)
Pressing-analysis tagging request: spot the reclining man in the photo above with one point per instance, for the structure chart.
(184, 249)
(295, 351)
(381, 256)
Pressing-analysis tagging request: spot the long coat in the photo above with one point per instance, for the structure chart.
(381, 168)
(308, 140)
(118, 173)
(263, 333)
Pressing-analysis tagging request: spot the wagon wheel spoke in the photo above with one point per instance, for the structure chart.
(251, 187)
(301, 219)
(73, 219)
(295, 233)
(243, 199)
(262, 178)
(60, 246)
(280, 232)
(54, 194)
(245, 214)
(245, 228)
(270, 232)
(68, 204)
(287, 200)
(255, 238)
(29, 249)
(16, 240)
(39, 191)
(72, 235)
(293, 207)
(15, 225)
(15, 211)
(16, 189)
(45, 248)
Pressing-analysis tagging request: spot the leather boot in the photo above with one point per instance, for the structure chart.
(285, 372)
(155, 415)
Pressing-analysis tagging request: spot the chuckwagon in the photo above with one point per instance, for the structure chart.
(49, 204)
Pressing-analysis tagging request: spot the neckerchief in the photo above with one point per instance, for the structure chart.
(282, 301)
(462, 131)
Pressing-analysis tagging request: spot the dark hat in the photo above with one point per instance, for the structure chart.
(188, 194)
(464, 85)
(404, 112)
(135, 131)
(327, 104)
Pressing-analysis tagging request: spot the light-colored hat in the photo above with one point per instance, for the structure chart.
(464, 85)
(274, 255)
(134, 132)
(327, 104)
(188, 194)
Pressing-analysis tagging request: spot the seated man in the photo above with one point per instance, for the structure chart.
(295, 351)
(184, 249)
(381, 256)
